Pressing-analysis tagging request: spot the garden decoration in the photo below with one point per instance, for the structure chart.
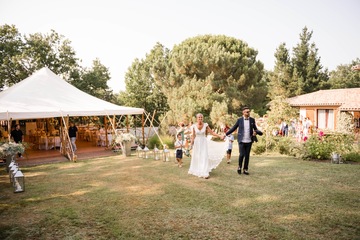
(166, 154)
(156, 152)
(124, 140)
(9, 150)
(139, 151)
(145, 154)
(19, 182)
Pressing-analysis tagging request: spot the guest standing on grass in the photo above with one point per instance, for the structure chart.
(229, 142)
(18, 136)
(246, 129)
(73, 132)
(179, 145)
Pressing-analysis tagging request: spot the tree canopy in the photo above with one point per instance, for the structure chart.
(300, 72)
(20, 56)
(141, 89)
(212, 74)
(215, 75)
(345, 77)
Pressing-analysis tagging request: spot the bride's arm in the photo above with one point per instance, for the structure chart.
(192, 136)
(212, 132)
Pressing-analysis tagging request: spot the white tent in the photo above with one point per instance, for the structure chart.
(46, 95)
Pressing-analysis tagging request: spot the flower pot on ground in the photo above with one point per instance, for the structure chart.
(127, 148)
(125, 140)
(9, 150)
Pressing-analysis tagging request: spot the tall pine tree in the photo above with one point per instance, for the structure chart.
(307, 73)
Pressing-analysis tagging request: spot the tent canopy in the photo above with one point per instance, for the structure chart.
(46, 95)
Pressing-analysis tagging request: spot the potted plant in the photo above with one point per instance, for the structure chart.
(124, 140)
(9, 149)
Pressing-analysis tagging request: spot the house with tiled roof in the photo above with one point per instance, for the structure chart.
(323, 107)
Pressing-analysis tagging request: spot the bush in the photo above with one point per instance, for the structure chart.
(154, 140)
(259, 147)
(316, 148)
(322, 148)
(285, 146)
(271, 142)
(351, 157)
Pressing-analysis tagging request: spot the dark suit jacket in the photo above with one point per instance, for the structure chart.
(240, 126)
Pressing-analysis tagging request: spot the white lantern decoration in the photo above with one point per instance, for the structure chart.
(19, 182)
(335, 158)
(156, 153)
(145, 154)
(166, 154)
(12, 172)
(9, 161)
(139, 151)
(11, 164)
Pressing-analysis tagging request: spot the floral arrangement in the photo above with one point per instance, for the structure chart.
(124, 137)
(11, 148)
(53, 122)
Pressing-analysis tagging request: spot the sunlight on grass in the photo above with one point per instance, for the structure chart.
(267, 198)
(265, 163)
(243, 202)
(36, 174)
(54, 196)
(295, 218)
(144, 190)
(135, 198)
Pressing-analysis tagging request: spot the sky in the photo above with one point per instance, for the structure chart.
(118, 32)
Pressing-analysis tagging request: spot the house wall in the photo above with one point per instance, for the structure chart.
(311, 113)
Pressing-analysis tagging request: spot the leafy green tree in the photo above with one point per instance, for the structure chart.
(141, 89)
(21, 56)
(279, 109)
(50, 50)
(307, 70)
(299, 73)
(345, 77)
(11, 45)
(94, 81)
(207, 69)
(280, 81)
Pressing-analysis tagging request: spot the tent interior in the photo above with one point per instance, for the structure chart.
(43, 104)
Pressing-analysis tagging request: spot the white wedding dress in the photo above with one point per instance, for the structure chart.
(206, 154)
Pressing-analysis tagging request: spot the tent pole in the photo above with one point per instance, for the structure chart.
(127, 123)
(152, 126)
(9, 129)
(106, 132)
(113, 122)
(151, 123)
(142, 128)
(65, 140)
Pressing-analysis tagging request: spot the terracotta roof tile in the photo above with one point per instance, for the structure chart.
(346, 99)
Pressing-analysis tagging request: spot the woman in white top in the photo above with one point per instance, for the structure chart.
(204, 158)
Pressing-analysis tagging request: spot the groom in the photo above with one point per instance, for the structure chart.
(247, 131)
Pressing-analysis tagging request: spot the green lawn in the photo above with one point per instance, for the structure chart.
(132, 198)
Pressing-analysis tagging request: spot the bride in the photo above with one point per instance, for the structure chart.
(204, 158)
